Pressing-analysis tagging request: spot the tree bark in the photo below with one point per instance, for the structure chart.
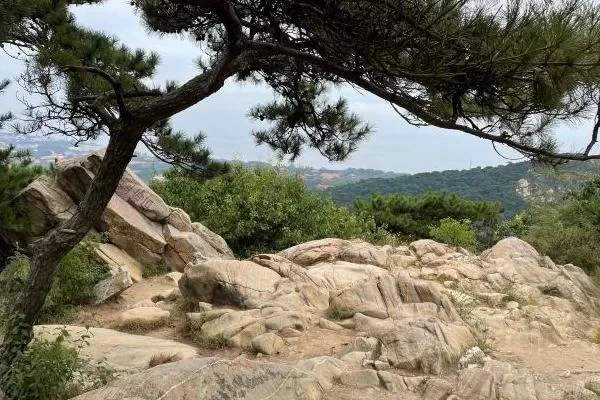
(49, 250)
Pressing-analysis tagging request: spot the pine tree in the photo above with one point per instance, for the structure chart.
(504, 74)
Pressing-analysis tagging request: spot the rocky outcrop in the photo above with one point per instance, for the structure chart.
(137, 222)
(337, 319)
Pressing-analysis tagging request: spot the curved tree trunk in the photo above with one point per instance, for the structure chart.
(49, 250)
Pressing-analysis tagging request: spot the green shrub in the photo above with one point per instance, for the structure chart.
(51, 369)
(413, 216)
(454, 233)
(77, 274)
(566, 229)
(263, 210)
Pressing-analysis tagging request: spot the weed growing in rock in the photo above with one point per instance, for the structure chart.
(550, 290)
(335, 315)
(150, 270)
(465, 306)
(163, 358)
(210, 342)
(511, 294)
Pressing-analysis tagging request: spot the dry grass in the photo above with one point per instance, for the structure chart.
(163, 358)
(140, 326)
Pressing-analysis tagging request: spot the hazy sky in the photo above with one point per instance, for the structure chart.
(393, 146)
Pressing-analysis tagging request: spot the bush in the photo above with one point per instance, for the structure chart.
(53, 370)
(567, 230)
(454, 233)
(73, 285)
(413, 216)
(263, 210)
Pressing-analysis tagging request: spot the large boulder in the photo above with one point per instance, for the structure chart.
(238, 283)
(136, 219)
(40, 206)
(214, 378)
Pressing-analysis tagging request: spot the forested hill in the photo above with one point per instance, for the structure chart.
(489, 183)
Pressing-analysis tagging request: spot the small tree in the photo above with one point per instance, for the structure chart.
(502, 75)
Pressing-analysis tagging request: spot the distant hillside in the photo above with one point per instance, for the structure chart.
(46, 150)
(509, 184)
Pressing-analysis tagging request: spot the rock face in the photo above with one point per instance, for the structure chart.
(412, 322)
(141, 227)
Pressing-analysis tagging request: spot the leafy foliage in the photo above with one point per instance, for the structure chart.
(16, 172)
(77, 274)
(262, 210)
(413, 217)
(51, 369)
(454, 233)
(566, 229)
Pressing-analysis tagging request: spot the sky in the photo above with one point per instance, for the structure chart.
(394, 145)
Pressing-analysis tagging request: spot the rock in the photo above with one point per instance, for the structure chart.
(512, 248)
(112, 286)
(286, 319)
(216, 241)
(246, 336)
(316, 251)
(593, 385)
(423, 344)
(360, 379)
(213, 378)
(290, 332)
(188, 246)
(363, 344)
(122, 351)
(365, 253)
(392, 382)
(327, 324)
(179, 220)
(287, 269)
(376, 297)
(428, 246)
(341, 274)
(42, 205)
(229, 324)
(268, 343)
(239, 283)
(437, 389)
(512, 305)
(135, 192)
(130, 230)
(173, 277)
(143, 318)
(116, 258)
(472, 356)
(476, 384)
(325, 369)
(204, 306)
(167, 295)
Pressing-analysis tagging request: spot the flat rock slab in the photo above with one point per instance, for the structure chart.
(122, 351)
(215, 379)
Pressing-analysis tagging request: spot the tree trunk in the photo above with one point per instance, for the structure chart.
(48, 251)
